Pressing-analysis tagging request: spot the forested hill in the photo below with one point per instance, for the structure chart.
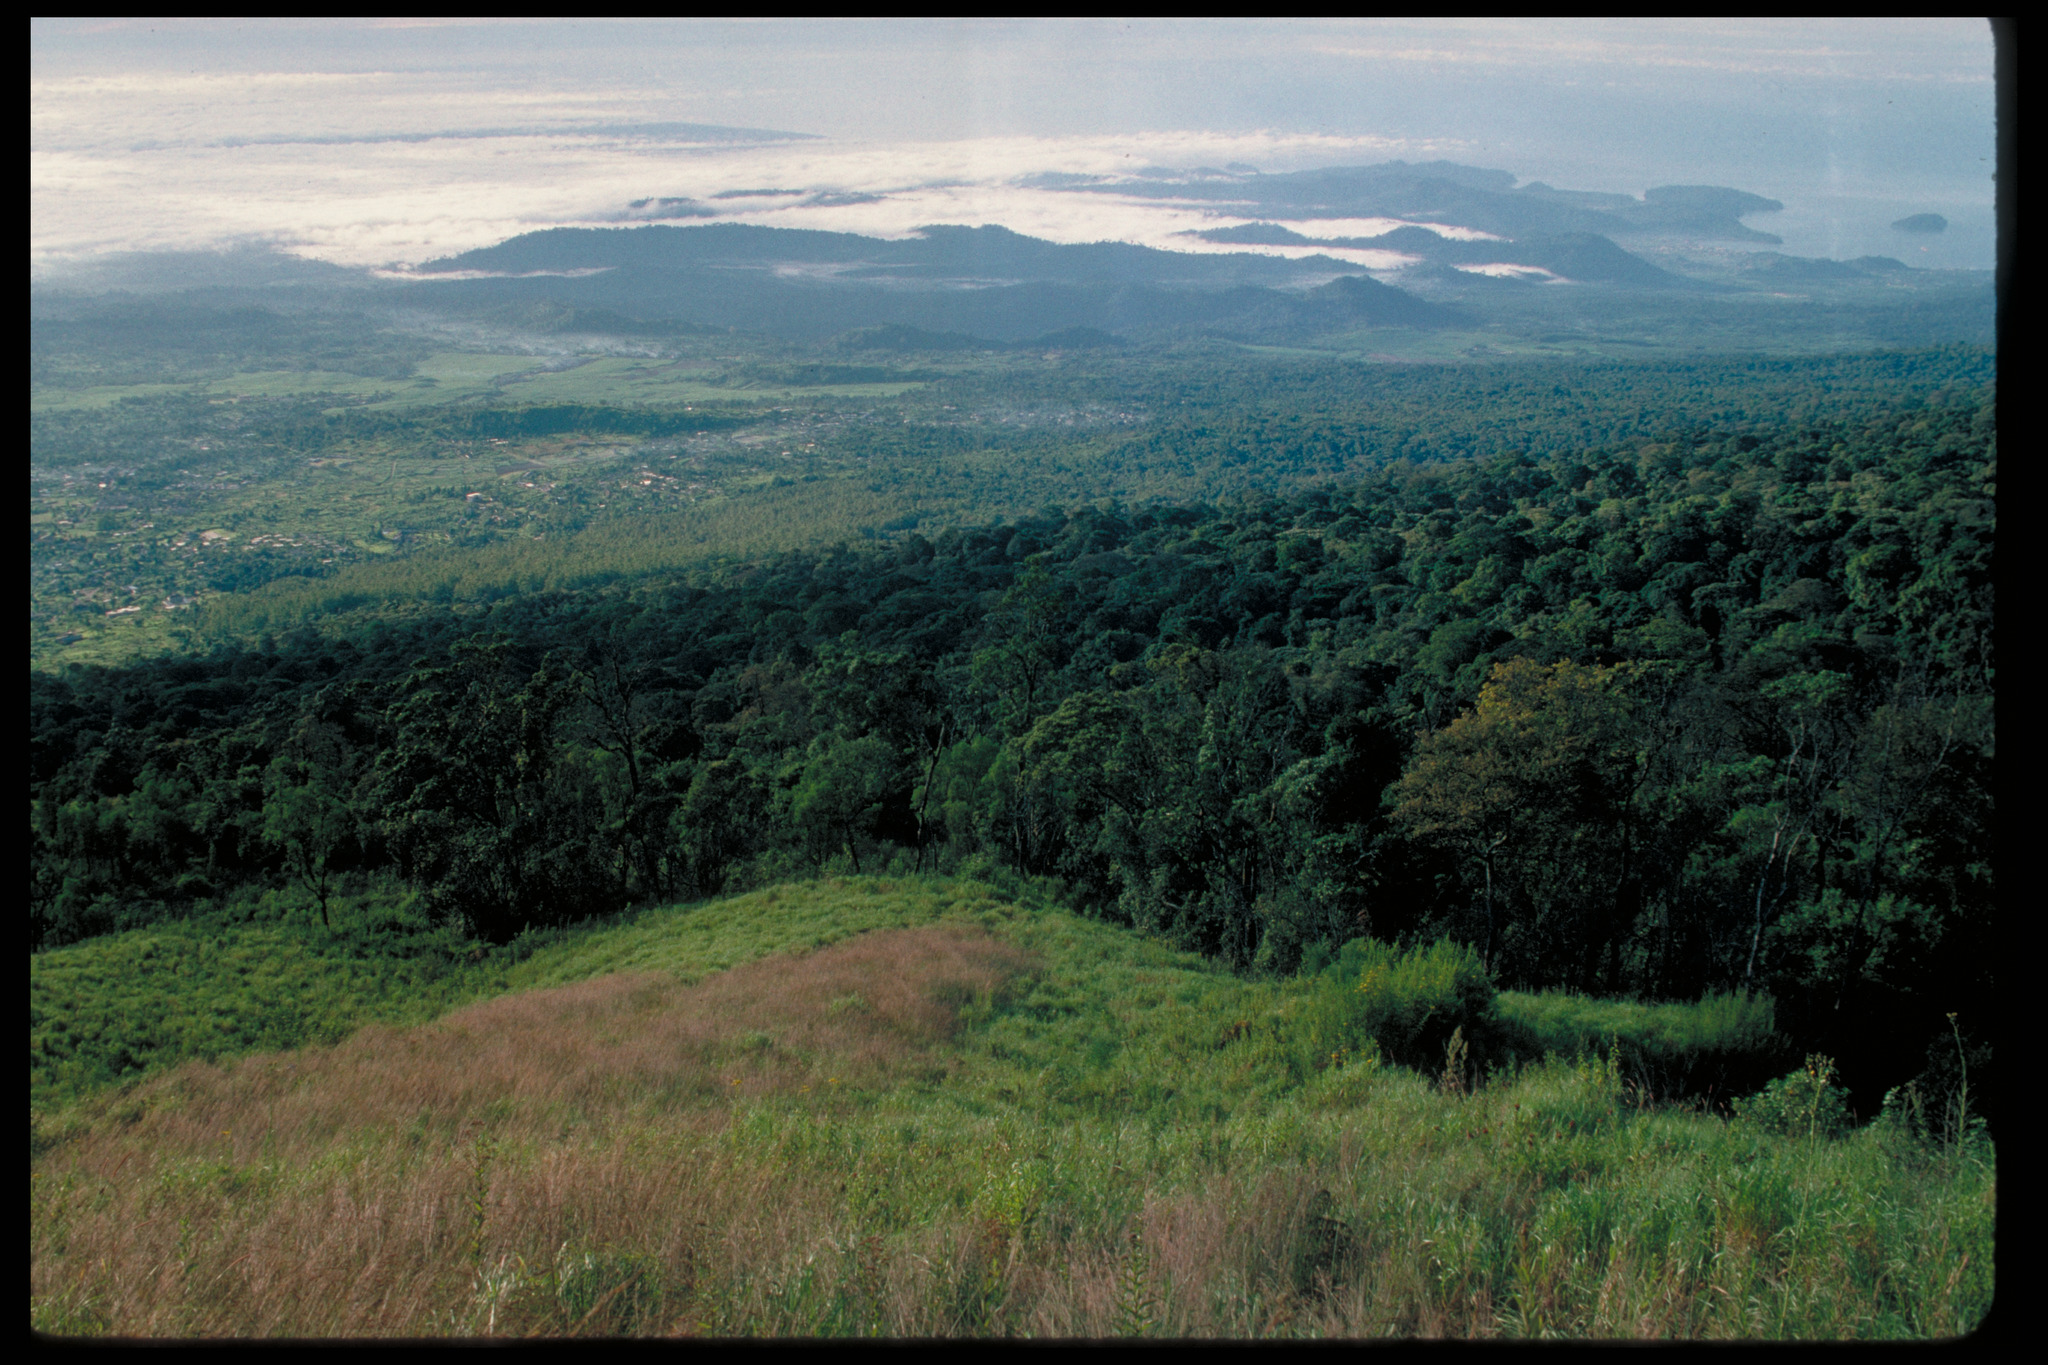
(1470, 196)
(998, 285)
(938, 252)
(985, 281)
(1646, 718)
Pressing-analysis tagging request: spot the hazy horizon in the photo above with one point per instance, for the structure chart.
(385, 144)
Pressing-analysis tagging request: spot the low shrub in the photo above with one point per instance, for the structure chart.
(1723, 1044)
(1408, 1001)
(1805, 1103)
(1957, 1088)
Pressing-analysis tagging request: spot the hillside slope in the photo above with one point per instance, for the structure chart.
(977, 1117)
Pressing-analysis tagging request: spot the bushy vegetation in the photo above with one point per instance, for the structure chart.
(125, 1004)
(1803, 1103)
(1725, 1044)
(1407, 1004)
(991, 1118)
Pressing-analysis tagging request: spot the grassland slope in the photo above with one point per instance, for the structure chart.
(121, 1007)
(873, 1107)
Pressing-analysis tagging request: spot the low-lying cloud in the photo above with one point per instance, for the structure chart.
(391, 201)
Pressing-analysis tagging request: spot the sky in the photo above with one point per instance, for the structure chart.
(388, 143)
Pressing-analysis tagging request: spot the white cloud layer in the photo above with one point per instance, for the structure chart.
(1506, 271)
(395, 203)
(370, 144)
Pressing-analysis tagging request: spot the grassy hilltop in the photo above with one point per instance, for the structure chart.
(911, 1107)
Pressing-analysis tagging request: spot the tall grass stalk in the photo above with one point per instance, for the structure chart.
(1959, 1129)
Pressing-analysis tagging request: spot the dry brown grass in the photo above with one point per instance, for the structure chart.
(374, 1187)
(858, 1014)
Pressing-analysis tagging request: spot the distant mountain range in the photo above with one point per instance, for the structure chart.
(1531, 258)
(1468, 196)
(1581, 256)
(986, 282)
(940, 255)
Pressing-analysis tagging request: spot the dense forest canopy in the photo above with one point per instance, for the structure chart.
(1630, 714)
